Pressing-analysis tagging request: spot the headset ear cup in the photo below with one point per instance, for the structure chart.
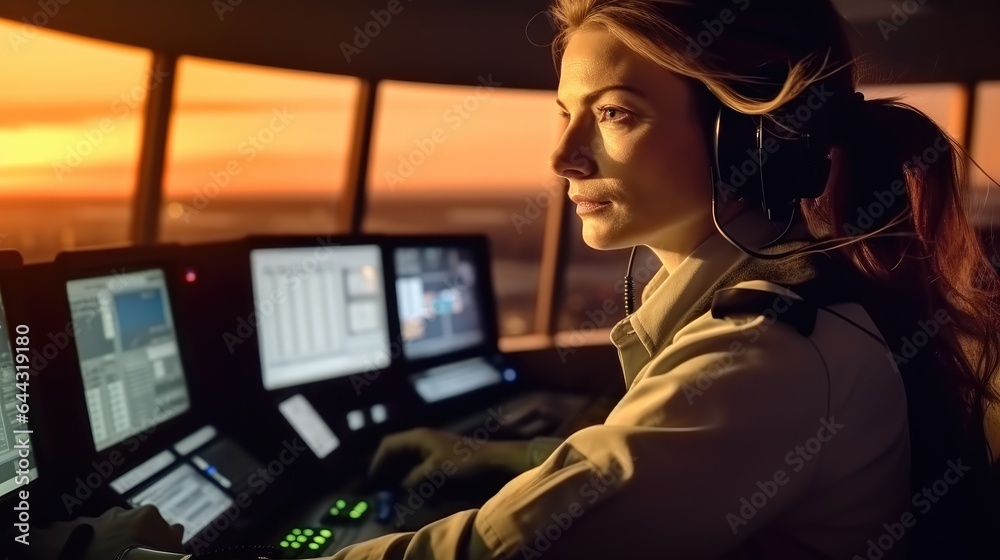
(761, 161)
(736, 160)
(798, 164)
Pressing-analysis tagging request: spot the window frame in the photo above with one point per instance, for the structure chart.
(555, 249)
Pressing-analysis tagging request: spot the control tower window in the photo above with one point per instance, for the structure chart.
(71, 112)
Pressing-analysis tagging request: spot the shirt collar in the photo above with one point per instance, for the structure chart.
(669, 298)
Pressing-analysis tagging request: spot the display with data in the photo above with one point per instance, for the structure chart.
(186, 497)
(321, 313)
(15, 442)
(437, 295)
(133, 377)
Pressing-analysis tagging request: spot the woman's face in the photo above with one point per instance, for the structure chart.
(633, 148)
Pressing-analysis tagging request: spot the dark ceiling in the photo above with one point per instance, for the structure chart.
(457, 41)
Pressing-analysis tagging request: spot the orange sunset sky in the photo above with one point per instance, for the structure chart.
(58, 90)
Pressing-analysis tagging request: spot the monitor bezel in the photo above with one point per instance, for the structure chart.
(454, 406)
(78, 265)
(257, 242)
(479, 246)
(11, 262)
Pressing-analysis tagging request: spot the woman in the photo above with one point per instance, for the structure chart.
(846, 429)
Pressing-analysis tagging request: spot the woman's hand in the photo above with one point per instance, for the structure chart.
(119, 528)
(108, 534)
(409, 457)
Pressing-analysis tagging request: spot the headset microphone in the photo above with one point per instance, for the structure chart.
(629, 296)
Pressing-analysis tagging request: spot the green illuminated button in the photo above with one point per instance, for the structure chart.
(290, 537)
(302, 538)
(284, 544)
(308, 532)
(334, 511)
(296, 531)
(314, 546)
(326, 533)
(341, 504)
(296, 545)
(359, 509)
(319, 539)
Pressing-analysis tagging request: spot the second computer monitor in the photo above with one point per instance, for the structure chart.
(438, 298)
(321, 312)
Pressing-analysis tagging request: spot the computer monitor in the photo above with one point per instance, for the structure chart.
(321, 312)
(438, 299)
(17, 463)
(126, 342)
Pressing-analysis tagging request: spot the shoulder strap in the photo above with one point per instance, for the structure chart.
(818, 279)
(798, 313)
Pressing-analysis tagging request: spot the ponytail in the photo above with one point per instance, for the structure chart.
(903, 179)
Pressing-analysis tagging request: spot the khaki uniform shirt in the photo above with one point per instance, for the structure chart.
(737, 438)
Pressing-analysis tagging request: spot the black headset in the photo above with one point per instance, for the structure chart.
(772, 161)
(778, 160)
(775, 163)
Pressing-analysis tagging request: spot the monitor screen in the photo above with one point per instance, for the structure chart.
(14, 442)
(185, 497)
(439, 309)
(127, 345)
(321, 313)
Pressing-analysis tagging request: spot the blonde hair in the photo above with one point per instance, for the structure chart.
(648, 29)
